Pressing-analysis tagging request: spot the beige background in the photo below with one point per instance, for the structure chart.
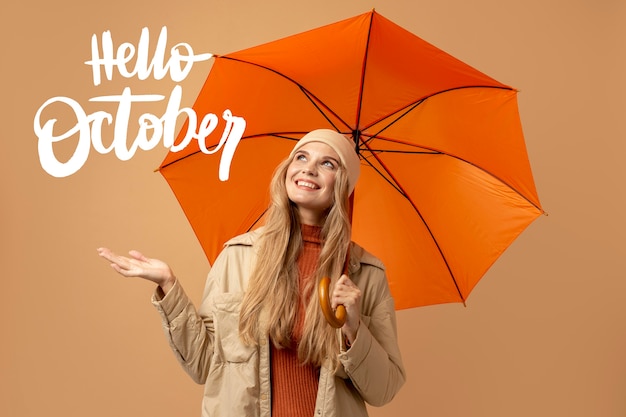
(543, 332)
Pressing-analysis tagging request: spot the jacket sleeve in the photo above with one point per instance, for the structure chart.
(373, 362)
(190, 335)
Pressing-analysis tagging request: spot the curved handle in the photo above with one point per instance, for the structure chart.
(335, 318)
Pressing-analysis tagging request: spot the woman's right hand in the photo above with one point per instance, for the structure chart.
(139, 266)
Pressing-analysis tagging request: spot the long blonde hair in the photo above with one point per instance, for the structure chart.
(273, 291)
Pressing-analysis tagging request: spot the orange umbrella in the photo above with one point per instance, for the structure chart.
(445, 186)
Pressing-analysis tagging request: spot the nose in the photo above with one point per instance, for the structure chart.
(309, 168)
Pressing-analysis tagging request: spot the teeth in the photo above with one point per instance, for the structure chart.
(307, 184)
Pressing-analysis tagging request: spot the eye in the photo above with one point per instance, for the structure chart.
(300, 157)
(328, 163)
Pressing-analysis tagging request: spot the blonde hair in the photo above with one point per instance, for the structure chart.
(273, 291)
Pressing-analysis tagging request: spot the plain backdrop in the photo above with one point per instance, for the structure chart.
(542, 333)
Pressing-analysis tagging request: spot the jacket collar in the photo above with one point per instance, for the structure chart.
(358, 255)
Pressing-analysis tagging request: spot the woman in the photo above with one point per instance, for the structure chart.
(259, 341)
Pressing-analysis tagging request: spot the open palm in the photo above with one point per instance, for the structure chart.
(138, 265)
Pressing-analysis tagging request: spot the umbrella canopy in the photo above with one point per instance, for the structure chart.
(445, 186)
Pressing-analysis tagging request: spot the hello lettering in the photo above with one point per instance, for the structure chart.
(152, 129)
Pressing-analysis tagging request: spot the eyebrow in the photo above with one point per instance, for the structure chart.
(334, 160)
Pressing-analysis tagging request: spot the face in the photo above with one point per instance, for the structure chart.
(310, 180)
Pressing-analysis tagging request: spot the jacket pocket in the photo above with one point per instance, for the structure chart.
(229, 347)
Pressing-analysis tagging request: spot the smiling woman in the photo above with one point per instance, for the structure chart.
(259, 336)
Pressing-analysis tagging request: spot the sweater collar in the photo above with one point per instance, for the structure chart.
(312, 234)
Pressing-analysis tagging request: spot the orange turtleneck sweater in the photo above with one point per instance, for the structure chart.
(294, 386)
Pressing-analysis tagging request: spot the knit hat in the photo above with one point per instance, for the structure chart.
(340, 144)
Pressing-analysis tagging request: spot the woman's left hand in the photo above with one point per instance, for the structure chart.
(348, 294)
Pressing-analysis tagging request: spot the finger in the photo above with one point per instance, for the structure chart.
(343, 279)
(138, 255)
(345, 296)
(121, 262)
(345, 282)
(108, 255)
(104, 252)
(127, 269)
(346, 289)
(119, 269)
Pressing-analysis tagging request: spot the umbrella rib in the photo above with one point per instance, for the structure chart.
(199, 151)
(258, 219)
(258, 135)
(362, 83)
(436, 152)
(412, 107)
(312, 97)
(394, 183)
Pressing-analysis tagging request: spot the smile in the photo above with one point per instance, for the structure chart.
(307, 184)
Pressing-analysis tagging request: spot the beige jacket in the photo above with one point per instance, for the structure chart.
(237, 377)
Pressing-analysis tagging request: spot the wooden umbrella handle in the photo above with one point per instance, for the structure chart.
(335, 318)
